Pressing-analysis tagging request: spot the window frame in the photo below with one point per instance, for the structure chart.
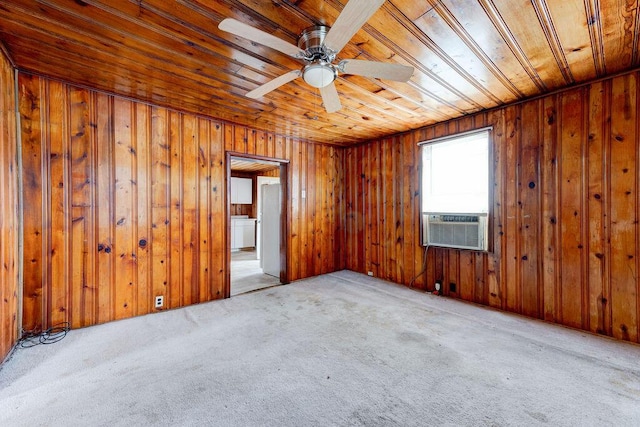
(489, 246)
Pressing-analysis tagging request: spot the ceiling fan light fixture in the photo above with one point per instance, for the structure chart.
(319, 75)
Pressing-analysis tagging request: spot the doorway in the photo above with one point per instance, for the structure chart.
(257, 222)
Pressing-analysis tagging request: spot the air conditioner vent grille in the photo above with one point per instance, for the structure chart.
(462, 235)
(458, 218)
(455, 230)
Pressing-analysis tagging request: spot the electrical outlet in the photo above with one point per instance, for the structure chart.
(370, 273)
(159, 301)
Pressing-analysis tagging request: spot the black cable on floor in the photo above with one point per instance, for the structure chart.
(424, 267)
(48, 336)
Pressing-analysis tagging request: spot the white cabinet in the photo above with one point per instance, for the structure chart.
(237, 236)
(249, 234)
(241, 191)
(243, 233)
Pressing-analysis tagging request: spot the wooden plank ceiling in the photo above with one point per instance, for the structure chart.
(249, 165)
(468, 55)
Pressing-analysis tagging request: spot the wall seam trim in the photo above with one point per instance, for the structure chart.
(19, 207)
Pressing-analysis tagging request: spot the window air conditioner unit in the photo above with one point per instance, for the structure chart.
(461, 231)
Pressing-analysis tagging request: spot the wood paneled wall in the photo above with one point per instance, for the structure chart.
(566, 205)
(9, 217)
(125, 201)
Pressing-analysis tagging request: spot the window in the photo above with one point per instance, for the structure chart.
(455, 190)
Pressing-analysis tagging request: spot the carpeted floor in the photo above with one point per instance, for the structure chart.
(339, 349)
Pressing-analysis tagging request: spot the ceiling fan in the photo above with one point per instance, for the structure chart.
(317, 48)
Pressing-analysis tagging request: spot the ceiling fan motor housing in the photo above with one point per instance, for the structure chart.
(311, 41)
(319, 72)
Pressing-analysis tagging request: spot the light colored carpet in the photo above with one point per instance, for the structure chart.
(339, 349)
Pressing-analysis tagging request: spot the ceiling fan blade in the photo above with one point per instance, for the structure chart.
(379, 70)
(274, 84)
(330, 98)
(248, 32)
(354, 15)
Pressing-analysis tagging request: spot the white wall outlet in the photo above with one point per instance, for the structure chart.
(370, 273)
(159, 301)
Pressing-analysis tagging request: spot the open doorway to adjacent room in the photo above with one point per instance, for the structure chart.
(257, 220)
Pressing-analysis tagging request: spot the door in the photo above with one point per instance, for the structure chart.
(270, 222)
(261, 180)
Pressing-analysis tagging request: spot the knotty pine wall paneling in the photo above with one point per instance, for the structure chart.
(9, 215)
(565, 208)
(125, 201)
